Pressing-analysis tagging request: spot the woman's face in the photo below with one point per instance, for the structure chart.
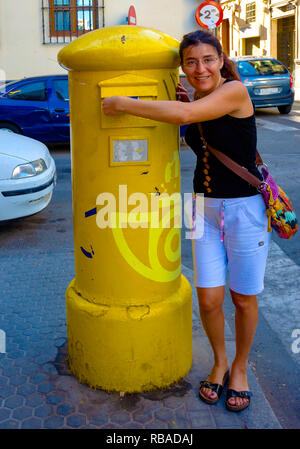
(202, 65)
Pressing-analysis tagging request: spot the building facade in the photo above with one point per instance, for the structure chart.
(265, 28)
(32, 32)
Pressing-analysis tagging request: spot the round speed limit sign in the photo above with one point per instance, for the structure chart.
(209, 15)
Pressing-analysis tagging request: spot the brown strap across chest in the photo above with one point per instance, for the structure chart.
(232, 165)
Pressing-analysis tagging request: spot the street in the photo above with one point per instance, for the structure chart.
(47, 238)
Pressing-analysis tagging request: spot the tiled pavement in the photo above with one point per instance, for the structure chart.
(37, 390)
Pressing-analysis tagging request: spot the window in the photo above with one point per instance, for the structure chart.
(251, 12)
(32, 92)
(75, 16)
(261, 67)
(61, 89)
(64, 19)
(287, 7)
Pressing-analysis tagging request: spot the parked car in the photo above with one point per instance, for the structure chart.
(269, 82)
(37, 107)
(27, 176)
(4, 82)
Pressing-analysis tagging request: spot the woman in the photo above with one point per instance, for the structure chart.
(235, 238)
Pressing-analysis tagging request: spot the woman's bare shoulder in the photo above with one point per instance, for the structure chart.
(239, 91)
(235, 86)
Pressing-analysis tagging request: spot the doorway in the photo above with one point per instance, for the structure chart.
(286, 42)
(225, 36)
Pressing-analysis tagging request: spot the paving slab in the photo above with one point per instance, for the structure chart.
(38, 391)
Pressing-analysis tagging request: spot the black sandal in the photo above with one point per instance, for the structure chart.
(217, 388)
(238, 394)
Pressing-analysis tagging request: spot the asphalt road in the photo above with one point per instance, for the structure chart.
(278, 142)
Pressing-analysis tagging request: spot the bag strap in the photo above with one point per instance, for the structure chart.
(232, 165)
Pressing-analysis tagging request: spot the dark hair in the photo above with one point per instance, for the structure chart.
(205, 37)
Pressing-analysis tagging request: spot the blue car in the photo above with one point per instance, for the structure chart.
(37, 107)
(269, 82)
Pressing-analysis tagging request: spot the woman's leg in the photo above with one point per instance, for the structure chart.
(211, 312)
(246, 316)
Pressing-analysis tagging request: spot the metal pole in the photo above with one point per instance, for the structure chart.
(43, 23)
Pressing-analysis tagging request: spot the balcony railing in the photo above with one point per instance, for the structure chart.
(65, 20)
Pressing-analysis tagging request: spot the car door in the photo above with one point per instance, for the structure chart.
(26, 105)
(59, 108)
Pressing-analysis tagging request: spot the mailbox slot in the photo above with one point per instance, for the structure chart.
(128, 85)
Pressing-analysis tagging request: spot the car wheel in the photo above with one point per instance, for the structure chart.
(285, 109)
(10, 127)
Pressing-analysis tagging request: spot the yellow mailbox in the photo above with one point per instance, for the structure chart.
(129, 313)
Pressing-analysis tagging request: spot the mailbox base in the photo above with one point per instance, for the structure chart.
(130, 348)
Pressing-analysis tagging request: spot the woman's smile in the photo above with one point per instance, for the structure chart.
(201, 78)
(202, 65)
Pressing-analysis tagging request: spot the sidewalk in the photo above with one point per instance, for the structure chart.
(37, 390)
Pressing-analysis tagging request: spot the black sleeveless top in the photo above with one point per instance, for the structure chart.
(235, 137)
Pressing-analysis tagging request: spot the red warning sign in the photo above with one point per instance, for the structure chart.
(131, 16)
(209, 15)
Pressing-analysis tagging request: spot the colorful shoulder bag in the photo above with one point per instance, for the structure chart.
(282, 217)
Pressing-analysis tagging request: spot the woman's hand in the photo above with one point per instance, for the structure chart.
(112, 105)
(182, 93)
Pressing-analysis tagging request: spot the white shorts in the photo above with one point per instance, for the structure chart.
(244, 249)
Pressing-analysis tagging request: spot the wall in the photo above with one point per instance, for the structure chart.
(22, 52)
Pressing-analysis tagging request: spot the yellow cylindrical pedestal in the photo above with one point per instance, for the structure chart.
(130, 348)
(129, 309)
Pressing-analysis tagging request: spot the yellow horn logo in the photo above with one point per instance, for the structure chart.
(156, 271)
(172, 241)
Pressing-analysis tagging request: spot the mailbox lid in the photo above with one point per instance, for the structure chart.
(121, 48)
(128, 85)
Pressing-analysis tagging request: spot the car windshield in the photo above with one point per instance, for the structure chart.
(261, 67)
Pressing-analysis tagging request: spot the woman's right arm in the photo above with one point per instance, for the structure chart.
(231, 98)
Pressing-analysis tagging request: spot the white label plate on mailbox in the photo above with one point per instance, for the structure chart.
(129, 151)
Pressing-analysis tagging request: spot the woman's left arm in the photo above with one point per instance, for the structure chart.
(228, 99)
